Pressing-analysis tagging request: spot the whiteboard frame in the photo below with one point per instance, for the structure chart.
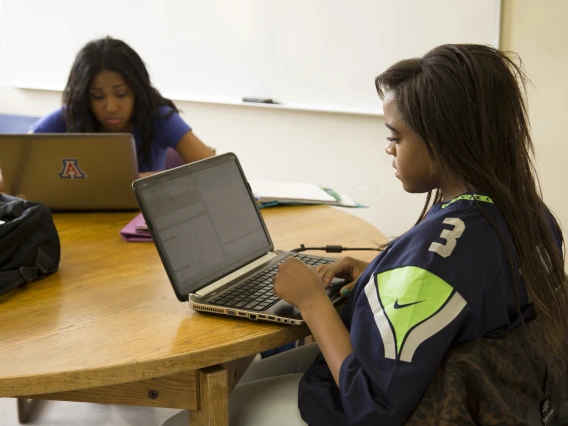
(176, 96)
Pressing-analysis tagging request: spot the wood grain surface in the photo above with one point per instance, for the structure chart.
(109, 315)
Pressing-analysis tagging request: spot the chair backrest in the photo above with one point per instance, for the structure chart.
(10, 123)
(487, 381)
(173, 159)
(552, 408)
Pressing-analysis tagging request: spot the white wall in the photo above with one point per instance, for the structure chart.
(347, 151)
(342, 151)
(537, 31)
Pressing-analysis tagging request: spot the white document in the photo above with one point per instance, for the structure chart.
(295, 192)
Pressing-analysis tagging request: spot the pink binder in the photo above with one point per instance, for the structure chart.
(130, 234)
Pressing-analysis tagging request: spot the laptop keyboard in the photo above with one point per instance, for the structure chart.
(256, 293)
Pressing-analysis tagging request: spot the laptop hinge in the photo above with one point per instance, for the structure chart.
(235, 275)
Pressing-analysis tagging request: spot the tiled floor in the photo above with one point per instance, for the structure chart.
(55, 413)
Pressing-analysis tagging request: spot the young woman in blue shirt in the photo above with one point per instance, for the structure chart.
(109, 90)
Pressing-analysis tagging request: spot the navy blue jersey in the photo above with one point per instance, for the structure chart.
(446, 281)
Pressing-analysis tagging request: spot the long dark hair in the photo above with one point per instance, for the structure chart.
(113, 55)
(467, 104)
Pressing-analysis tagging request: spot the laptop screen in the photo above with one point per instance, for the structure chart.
(204, 222)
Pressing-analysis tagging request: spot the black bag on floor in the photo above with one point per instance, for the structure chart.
(29, 243)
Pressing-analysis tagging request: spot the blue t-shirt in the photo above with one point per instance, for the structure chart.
(445, 281)
(167, 134)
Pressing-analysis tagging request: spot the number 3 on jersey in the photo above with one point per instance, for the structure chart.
(450, 236)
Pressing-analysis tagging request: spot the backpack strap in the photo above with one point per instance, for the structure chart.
(42, 266)
(10, 280)
(552, 409)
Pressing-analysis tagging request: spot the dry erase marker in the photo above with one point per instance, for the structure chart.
(259, 100)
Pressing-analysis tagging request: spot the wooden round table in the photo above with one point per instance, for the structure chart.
(108, 328)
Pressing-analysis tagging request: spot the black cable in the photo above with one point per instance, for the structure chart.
(334, 248)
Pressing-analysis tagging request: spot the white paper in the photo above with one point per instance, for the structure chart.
(282, 191)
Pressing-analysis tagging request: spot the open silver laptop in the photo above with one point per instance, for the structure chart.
(71, 171)
(213, 242)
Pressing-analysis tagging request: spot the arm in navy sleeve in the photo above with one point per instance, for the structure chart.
(381, 391)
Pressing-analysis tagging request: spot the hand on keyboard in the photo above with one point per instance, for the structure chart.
(299, 284)
(346, 268)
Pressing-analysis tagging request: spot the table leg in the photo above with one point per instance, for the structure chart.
(204, 392)
(25, 409)
(214, 398)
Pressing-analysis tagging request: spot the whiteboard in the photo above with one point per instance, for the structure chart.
(310, 54)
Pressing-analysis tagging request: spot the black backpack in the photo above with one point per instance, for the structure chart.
(552, 409)
(29, 243)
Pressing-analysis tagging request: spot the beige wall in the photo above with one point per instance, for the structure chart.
(346, 151)
(537, 31)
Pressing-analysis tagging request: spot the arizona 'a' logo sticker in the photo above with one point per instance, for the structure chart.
(412, 305)
(70, 169)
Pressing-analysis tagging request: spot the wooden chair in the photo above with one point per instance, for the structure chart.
(173, 159)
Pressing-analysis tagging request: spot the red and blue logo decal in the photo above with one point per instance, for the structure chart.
(70, 169)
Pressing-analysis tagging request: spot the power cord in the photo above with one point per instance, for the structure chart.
(333, 248)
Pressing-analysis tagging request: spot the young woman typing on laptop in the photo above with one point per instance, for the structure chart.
(483, 260)
(109, 90)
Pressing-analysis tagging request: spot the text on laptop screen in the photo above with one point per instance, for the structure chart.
(206, 224)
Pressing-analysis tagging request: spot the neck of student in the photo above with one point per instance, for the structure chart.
(129, 128)
(451, 189)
